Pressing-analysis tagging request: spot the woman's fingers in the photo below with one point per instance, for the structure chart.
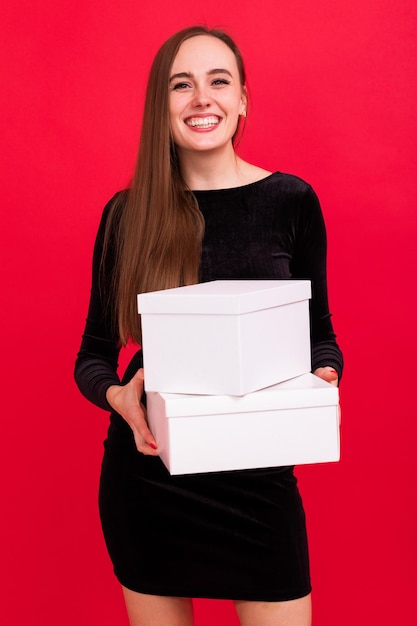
(331, 376)
(328, 374)
(127, 401)
(144, 439)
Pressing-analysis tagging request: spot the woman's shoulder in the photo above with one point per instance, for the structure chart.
(110, 217)
(253, 175)
(116, 202)
(113, 209)
(287, 183)
(289, 193)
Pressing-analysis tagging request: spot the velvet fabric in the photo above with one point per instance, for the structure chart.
(239, 535)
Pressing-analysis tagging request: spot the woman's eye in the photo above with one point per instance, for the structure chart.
(180, 86)
(220, 81)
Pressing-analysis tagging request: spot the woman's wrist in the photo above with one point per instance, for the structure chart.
(111, 393)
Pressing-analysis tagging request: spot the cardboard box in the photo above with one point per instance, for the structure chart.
(225, 337)
(291, 423)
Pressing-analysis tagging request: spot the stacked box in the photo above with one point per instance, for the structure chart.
(216, 356)
(225, 337)
(291, 423)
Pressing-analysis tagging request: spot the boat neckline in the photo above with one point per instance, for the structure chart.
(255, 182)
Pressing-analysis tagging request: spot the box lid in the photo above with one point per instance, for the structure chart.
(226, 297)
(307, 390)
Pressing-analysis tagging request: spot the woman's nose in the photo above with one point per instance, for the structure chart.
(201, 98)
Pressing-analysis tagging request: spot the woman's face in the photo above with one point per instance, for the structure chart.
(206, 96)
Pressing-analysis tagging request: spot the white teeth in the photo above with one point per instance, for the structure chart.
(203, 122)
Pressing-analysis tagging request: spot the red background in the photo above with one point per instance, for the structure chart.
(333, 97)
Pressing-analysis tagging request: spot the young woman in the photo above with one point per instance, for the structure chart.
(196, 212)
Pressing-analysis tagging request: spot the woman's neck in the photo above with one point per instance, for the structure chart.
(213, 170)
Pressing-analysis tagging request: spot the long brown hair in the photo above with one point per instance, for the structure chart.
(156, 227)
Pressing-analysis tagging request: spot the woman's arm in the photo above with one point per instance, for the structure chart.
(309, 262)
(97, 360)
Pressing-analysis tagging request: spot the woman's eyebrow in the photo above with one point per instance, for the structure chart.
(180, 75)
(219, 71)
(209, 73)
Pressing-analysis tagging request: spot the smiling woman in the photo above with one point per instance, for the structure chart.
(207, 97)
(197, 212)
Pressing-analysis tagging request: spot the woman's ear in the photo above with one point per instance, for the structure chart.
(244, 102)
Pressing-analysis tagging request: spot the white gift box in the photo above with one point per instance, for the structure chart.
(291, 423)
(225, 337)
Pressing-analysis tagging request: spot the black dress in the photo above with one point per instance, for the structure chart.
(237, 535)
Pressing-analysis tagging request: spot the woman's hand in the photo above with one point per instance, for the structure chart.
(328, 374)
(126, 400)
(331, 376)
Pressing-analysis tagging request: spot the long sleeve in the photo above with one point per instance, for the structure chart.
(309, 261)
(97, 361)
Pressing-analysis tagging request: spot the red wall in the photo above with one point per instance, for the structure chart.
(333, 100)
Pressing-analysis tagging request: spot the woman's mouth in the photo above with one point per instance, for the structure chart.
(207, 122)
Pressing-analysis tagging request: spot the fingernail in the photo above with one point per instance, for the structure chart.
(333, 372)
(153, 446)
